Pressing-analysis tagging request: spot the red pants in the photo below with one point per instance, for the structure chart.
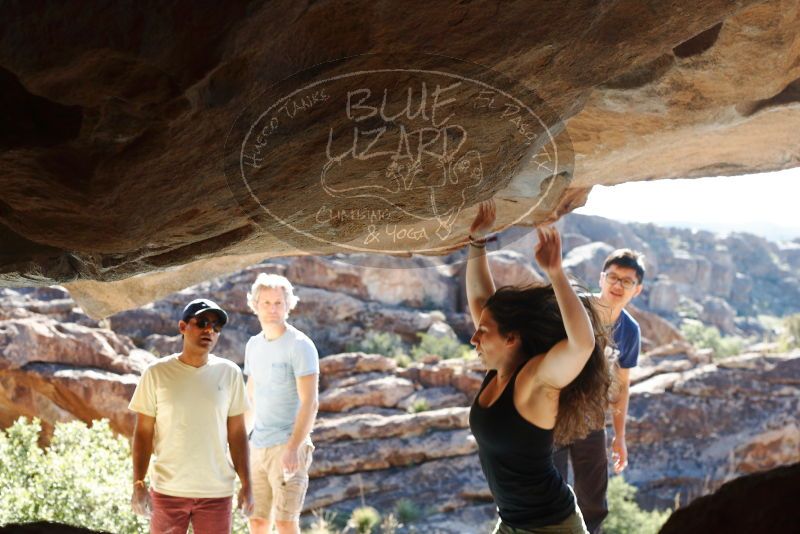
(171, 515)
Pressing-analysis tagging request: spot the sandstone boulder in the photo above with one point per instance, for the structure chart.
(355, 362)
(752, 400)
(384, 392)
(359, 456)
(690, 271)
(664, 296)
(613, 233)
(442, 330)
(39, 339)
(790, 253)
(432, 398)
(585, 262)
(415, 282)
(470, 519)
(719, 313)
(656, 331)
(509, 268)
(753, 503)
(457, 481)
(57, 393)
(371, 426)
(570, 241)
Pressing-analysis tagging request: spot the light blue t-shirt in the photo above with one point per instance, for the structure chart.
(274, 365)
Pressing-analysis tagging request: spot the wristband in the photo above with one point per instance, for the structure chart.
(481, 242)
(139, 483)
(477, 243)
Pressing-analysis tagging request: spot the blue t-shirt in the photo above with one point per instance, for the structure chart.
(627, 340)
(274, 365)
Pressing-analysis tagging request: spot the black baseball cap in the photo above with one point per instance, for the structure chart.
(198, 306)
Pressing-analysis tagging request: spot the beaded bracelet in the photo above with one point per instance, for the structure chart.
(477, 243)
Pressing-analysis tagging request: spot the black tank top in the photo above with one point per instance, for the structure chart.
(517, 461)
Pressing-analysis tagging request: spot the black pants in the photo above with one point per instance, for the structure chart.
(590, 469)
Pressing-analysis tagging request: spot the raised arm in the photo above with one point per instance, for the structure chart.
(480, 285)
(565, 360)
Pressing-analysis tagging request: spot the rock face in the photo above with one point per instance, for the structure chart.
(58, 370)
(676, 453)
(387, 432)
(366, 450)
(752, 503)
(115, 131)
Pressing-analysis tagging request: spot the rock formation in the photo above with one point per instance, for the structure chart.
(57, 364)
(389, 432)
(120, 125)
(693, 424)
(752, 503)
(694, 427)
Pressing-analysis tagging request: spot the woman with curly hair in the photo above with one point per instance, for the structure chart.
(547, 382)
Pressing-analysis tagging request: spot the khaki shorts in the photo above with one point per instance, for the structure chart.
(276, 499)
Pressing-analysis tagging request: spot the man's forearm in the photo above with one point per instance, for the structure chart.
(248, 420)
(237, 441)
(304, 423)
(142, 450)
(619, 411)
(249, 413)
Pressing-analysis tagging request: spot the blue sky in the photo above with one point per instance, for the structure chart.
(766, 204)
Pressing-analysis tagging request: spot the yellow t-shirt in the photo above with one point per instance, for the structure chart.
(191, 406)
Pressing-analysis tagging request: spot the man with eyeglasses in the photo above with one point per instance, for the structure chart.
(190, 415)
(620, 281)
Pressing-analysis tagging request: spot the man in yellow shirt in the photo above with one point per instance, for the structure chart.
(189, 412)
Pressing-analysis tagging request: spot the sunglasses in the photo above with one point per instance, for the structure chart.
(202, 323)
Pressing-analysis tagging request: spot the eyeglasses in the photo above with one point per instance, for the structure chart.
(202, 323)
(626, 283)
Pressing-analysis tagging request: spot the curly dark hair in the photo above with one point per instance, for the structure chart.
(533, 313)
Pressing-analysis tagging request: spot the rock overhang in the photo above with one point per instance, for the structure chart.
(114, 157)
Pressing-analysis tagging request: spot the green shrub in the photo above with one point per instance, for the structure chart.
(407, 511)
(791, 336)
(364, 519)
(325, 522)
(625, 516)
(83, 478)
(390, 524)
(419, 405)
(708, 337)
(470, 354)
(384, 343)
(444, 347)
(403, 360)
